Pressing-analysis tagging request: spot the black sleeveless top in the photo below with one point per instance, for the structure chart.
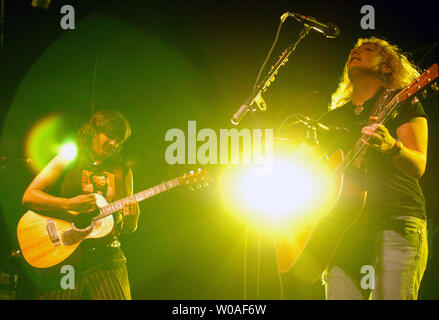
(82, 176)
(390, 192)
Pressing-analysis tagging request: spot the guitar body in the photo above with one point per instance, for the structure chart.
(46, 241)
(308, 254)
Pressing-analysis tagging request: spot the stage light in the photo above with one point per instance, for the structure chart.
(68, 151)
(294, 193)
(286, 189)
(46, 139)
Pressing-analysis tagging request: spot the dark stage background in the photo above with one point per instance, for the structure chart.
(162, 63)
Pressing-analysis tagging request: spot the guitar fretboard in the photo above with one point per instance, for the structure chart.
(140, 196)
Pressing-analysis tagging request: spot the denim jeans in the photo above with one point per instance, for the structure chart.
(394, 251)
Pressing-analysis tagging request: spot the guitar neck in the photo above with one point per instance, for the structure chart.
(140, 196)
(359, 146)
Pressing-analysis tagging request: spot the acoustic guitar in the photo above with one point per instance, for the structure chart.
(307, 254)
(46, 241)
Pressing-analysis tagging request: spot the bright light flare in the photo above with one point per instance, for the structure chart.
(69, 151)
(292, 195)
(286, 189)
(48, 137)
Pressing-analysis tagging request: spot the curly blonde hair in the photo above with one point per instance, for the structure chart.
(403, 71)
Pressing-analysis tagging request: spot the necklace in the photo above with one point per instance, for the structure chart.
(358, 110)
(379, 106)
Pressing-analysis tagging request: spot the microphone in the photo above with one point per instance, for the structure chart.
(328, 29)
(310, 123)
(242, 111)
(246, 107)
(5, 159)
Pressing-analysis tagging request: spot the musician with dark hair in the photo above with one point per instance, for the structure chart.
(61, 188)
(389, 240)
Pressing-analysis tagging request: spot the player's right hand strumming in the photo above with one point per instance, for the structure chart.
(82, 203)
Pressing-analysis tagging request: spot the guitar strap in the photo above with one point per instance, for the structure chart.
(119, 182)
(120, 193)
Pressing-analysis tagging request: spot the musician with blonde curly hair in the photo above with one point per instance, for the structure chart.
(390, 238)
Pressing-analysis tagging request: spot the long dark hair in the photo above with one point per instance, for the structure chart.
(110, 122)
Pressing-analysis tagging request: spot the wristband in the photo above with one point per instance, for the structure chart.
(396, 150)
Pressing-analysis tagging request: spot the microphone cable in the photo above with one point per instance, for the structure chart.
(282, 20)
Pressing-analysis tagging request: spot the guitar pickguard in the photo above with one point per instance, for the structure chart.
(73, 236)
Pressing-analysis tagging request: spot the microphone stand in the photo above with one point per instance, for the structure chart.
(5, 163)
(256, 97)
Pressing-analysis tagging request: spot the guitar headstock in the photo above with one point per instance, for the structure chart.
(429, 76)
(195, 179)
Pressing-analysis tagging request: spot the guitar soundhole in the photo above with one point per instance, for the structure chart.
(84, 220)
